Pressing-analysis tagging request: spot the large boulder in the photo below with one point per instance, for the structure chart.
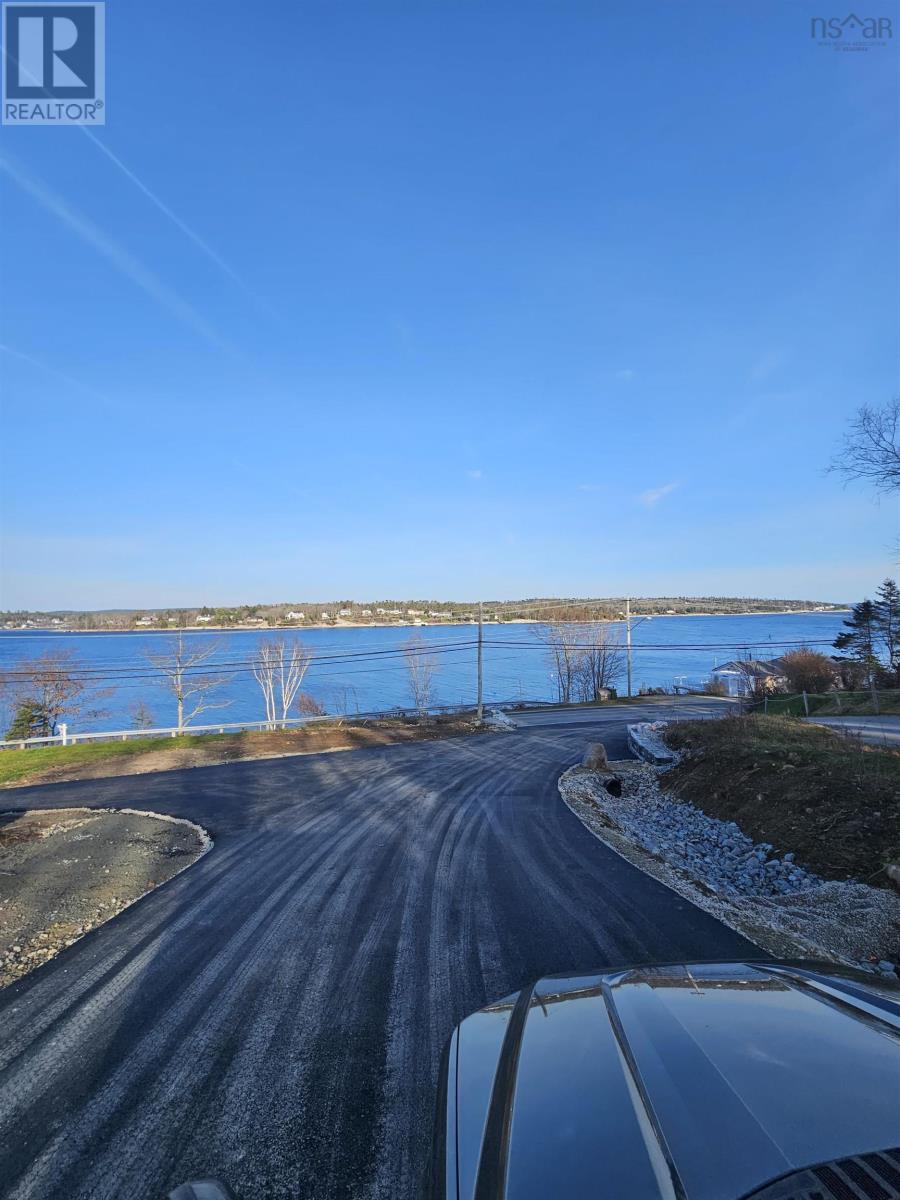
(595, 757)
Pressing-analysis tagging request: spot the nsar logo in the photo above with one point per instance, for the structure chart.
(851, 32)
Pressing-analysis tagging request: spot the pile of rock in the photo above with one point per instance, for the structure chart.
(789, 912)
(496, 718)
(715, 853)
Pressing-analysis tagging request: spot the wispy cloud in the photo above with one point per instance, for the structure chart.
(626, 374)
(475, 473)
(167, 212)
(202, 245)
(117, 255)
(60, 376)
(652, 496)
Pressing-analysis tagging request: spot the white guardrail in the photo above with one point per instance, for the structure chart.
(64, 738)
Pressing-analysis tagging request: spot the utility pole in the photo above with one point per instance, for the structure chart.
(628, 639)
(480, 660)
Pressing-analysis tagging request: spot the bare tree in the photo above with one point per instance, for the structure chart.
(420, 670)
(279, 671)
(53, 687)
(565, 653)
(181, 665)
(601, 662)
(871, 449)
(141, 715)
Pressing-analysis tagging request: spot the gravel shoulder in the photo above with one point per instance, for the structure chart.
(788, 912)
(65, 871)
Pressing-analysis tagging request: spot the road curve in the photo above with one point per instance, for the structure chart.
(274, 1016)
(877, 731)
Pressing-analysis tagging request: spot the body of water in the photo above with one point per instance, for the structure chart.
(359, 670)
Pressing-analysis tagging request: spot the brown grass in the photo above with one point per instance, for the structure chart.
(831, 799)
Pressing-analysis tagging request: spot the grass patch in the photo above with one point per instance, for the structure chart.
(831, 799)
(20, 764)
(835, 704)
(93, 760)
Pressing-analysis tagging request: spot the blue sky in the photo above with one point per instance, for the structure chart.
(451, 300)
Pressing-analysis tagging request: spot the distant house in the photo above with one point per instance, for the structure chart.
(366, 612)
(344, 612)
(744, 678)
(146, 620)
(414, 612)
(203, 620)
(325, 616)
(295, 616)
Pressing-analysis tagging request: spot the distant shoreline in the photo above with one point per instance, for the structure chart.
(219, 629)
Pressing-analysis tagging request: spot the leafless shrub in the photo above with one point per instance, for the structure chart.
(420, 669)
(308, 705)
(808, 671)
(141, 715)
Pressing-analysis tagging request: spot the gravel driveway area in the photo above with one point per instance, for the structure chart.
(64, 871)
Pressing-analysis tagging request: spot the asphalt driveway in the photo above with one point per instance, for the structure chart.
(274, 1016)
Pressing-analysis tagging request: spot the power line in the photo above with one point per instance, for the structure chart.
(210, 667)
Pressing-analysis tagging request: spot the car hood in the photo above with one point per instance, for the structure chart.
(697, 1081)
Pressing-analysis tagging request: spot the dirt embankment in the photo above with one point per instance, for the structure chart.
(64, 871)
(20, 768)
(831, 799)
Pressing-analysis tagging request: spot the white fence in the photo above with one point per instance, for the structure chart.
(64, 738)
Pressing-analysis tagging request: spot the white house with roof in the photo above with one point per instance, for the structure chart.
(745, 677)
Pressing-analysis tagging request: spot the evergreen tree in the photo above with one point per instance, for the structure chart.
(887, 619)
(30, 721)
(861, 637)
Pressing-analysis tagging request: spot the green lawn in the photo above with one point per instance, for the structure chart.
(835, 704)
(16, 765)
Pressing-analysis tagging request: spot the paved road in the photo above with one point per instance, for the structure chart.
(668, 708)
(879, 731)
(274, 1015)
